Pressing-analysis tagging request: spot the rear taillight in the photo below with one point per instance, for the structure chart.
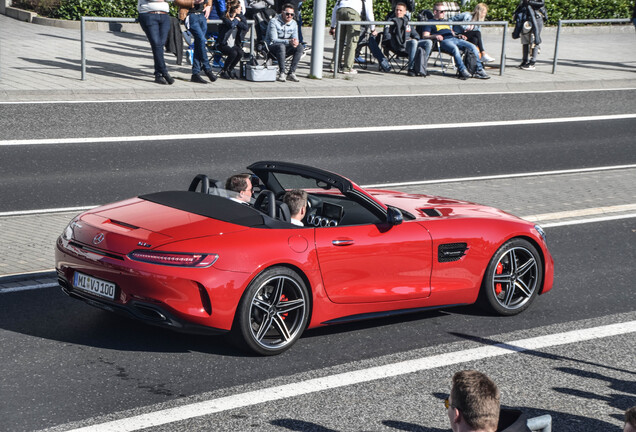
(178, 259)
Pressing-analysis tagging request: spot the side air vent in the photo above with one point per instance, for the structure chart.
(430, 212)
(451, 252)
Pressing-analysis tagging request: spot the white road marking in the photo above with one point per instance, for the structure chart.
(579, 213)
(170, 415)
(232, 99)
(28, 287)
(43, 211)
(589, 220)
(279, 133)
(499, 176)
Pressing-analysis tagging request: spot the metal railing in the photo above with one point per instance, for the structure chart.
(84, 19)
(581, 21)
(336, 50)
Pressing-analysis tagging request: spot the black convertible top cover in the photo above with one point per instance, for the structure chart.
(212, 206)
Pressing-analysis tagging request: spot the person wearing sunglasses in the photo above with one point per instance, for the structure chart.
(452, 44)
(282, 40)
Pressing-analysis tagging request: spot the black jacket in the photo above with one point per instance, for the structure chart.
(529, 10)
(174, 43)
(396, 35)
(225, 30)
(512, 420)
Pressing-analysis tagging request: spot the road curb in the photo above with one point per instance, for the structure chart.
(21, 277)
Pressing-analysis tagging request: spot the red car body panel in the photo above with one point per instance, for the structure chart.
(352, 271)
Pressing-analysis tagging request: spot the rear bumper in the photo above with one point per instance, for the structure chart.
(142, 311)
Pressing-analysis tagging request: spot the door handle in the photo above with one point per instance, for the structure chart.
(342, 242)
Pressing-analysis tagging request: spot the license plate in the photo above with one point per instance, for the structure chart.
(94, 286)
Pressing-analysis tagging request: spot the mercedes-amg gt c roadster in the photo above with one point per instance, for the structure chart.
(197, 261)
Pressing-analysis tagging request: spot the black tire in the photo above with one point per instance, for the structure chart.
(513, 278)
(272, 313)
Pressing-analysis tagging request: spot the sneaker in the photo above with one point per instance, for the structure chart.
(481, 74)
(224, 74)
(168, 78)
(522, 65)
(464, 74)
(384, 66)
(528, 66)
(160, 80)
(281, 77)
(411, 73)
(485, 58)
(360, 60)
(350, 72)
(292, 77)
(233, 74)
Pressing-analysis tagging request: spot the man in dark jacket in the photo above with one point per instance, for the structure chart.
(399, 38)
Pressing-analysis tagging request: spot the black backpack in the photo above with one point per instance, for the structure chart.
(470, 61)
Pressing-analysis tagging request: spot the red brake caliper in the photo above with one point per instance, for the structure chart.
(498, 271)
(283, 298)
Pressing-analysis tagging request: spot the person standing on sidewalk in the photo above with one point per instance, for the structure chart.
(350, 10)
(529, 17)
(155, 22)
(195, 14)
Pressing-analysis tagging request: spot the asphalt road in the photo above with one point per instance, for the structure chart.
(63, 362)
(64, 120)
(83, 174)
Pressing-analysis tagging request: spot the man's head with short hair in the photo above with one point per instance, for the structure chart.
(400, 9)
(296, 200)
(630, 420)
(474, 402)
(288, 12)
(438, 10)
(241, 185)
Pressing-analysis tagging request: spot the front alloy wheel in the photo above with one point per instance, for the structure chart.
(273, 311)
(513, 277)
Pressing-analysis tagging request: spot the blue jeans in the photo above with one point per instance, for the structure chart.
(410, 48)
(427, 44)
(156, 27)
(198, 28)
(454, 46)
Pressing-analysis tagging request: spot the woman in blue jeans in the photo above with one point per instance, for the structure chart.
(155, 22)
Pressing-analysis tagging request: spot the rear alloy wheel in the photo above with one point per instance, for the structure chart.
(273, 312)
(512, 278)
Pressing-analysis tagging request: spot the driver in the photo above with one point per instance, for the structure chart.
(240, 188)
(296, 200)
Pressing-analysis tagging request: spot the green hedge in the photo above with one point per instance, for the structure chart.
(500, 10)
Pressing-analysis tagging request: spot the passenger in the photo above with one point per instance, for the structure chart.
(282, 40)
(630, 420)
(296, 200)
(195, 13)
(399, 38)
(473, 32)
(154, 19)
(231, 34)
(240, 188)
(452, 44)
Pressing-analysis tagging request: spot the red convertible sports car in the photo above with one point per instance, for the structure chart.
(199, 261)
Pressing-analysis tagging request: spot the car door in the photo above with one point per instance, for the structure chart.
(375, 262)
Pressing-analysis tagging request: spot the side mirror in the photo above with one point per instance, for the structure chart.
(394, 216)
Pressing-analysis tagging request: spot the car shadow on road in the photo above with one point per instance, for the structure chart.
(49, 314)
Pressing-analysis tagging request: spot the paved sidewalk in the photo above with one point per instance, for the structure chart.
(43, 63)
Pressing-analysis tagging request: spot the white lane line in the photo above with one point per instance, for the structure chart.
(43, 211)
(28, 288)
(279, 133)
(358, 96)
(170, 415)
(589, 220)
(580, 213)
(500, 176)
